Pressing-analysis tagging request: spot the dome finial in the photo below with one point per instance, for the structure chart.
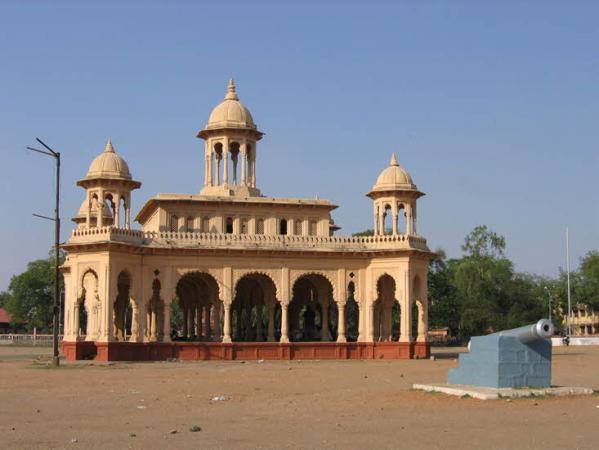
(109, 148)
(393, 160)
(231, 92)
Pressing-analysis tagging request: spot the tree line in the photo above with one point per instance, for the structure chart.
(480, 292)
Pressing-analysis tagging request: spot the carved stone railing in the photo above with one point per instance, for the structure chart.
(247, 241)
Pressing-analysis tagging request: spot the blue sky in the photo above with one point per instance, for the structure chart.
(492, 107)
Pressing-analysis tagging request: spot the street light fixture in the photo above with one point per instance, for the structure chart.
(56, 219)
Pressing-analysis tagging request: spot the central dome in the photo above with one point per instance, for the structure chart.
(230, 113)
(394, 178)
(109, 164)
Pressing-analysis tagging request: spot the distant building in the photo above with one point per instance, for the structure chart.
(585, 321)
(253, 276)
(5, 319)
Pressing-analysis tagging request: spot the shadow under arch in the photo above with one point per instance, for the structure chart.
(386, 310)
(312, 310)
(200, 307)
(255, 309)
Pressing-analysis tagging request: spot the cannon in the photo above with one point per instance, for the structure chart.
(516, 358)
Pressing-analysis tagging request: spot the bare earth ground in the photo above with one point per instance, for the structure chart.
(309, 404)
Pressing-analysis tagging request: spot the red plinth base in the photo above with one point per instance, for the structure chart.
(200, 351)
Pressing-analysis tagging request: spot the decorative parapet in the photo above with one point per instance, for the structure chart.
(247, 241)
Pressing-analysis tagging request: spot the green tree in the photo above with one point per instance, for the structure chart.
(588, 280)
(30, 296)
(444, 311)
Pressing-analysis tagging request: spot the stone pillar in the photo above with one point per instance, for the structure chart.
(128, 211)
(116, 222)
(408, 212)
(406, 311)
(253, 167)
(394, 215)
(199, 319)
(341, 322)
(227, 324)
(226, 161)
(243, 152)
(154, 325)
(75, 328)
(370, 333)
(381, 222)
(100, 210)
(271, 322)
(324, 334)
(284, 323)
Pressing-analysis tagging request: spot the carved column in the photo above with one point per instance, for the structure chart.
(284, 323)
(341, 322)
(406, 310)
(100, 210)
(394, 214)
(117, 211)
(243, 163)
(128, 211)
(227, 324)
(408, 212)
(75, 328)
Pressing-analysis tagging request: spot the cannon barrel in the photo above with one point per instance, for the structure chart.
(543, 329)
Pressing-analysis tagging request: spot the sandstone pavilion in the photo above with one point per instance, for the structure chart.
(241, 274)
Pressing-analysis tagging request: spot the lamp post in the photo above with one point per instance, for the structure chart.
(56, 219)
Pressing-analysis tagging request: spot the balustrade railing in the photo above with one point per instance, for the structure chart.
(256, 241)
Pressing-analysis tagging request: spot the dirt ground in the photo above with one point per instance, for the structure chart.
(295, 404)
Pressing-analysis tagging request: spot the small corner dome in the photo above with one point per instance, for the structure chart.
(109, 164)
(394, 178)
(230, 113)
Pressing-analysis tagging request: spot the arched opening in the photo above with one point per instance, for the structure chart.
(387, 220)
(402, 223)
(234, 151)
(218, 158)
(198, 300)
(88, 308)
(386, 315)
(283, 226)
(352, 314)
(229, 225)
(254, 309)
(122, 310)
(312, 311)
